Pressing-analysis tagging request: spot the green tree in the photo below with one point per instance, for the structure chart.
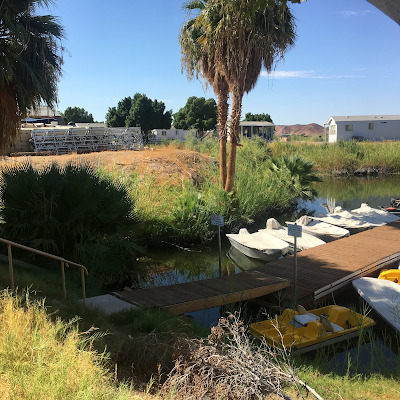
(258, 117)
(196, 59)
(139, 111)
(241, 43)
(76, 114)
(30, 62)
(199, 114)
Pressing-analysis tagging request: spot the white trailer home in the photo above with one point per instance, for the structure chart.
(364, 127)
(157, 135)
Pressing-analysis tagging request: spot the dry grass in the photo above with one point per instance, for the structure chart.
(170, 165)
(43, 360)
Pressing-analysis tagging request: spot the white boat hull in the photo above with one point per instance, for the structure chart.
(258, 245)
(383, 296)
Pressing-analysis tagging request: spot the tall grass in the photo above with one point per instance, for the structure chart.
(41, 359)
(182, 212)
(344, 157)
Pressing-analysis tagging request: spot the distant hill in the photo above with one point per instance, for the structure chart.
(308, 130)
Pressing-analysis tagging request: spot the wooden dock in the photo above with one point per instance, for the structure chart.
(332, 266)
(199, 295)
(320, 271)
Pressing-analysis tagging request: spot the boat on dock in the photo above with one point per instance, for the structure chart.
(321, 230)
(394, 207)
(383, 295)
(243, 262)
(365, 212)
(390, 275)
(306, 241)
(300, 332)
(344, 220)
(258, 245)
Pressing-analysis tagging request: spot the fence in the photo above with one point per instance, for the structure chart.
(42, 253)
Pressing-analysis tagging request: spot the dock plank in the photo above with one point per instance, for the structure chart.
(207, 293)
(332, 262)
(320, 271)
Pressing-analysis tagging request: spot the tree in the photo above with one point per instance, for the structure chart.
(199, 114)
(258, 117)
(197, 59)
(30, 62)
(139, 111)
(241, 43)
(76, 114)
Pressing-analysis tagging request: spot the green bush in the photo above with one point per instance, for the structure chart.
(73, 213)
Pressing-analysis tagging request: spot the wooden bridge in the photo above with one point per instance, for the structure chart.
(320, 271)
(207, 293)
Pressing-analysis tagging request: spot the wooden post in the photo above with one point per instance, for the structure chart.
(63, 279)
(83, 286)
(10, 266)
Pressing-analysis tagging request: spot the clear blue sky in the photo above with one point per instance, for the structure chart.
(346, 60)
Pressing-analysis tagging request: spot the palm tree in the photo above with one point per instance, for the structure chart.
(30, 62)
(242, 42)
(197, 60)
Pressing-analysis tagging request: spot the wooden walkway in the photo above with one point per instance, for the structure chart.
(327, 268)
(207, 293)
(320, 271)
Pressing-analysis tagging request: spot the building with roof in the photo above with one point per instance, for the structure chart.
(157, 135)
(261, 129)
(43, 114)
(364, 127)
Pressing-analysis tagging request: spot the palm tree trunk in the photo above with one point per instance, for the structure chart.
(222, 118)
(234, 134)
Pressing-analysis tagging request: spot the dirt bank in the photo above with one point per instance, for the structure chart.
(167, 164)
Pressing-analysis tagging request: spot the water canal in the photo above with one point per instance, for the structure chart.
(172, 264)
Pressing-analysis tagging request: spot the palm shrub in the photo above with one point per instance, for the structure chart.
(71, 212)
(300, 173)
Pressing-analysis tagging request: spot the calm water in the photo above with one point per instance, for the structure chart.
(171, 264)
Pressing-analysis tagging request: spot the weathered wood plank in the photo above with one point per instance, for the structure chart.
(198, 295)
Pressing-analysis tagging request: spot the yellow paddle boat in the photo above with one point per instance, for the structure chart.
(390, 275)
(301, 331)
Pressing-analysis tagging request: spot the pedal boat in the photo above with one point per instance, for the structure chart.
(303, 333)
(390, 275)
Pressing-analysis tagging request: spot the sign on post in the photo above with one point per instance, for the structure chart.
(295, 230)
(217, 220)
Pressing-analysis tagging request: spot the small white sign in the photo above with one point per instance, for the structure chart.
(217, 220)
(295, 230)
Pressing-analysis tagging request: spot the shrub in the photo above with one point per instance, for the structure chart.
(73, 213)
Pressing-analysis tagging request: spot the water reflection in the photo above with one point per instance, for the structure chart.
(350, 192)
(171, 265)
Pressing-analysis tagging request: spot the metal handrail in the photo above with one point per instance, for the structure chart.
(42, 253)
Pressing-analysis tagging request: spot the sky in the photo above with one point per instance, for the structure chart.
(344, 61)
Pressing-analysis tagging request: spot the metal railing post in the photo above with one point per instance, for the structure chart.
(10, 266)
(63, 279)
(83, 286)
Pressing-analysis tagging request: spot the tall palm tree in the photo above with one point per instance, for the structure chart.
(242, 43)
(197, 60)
(30, 62)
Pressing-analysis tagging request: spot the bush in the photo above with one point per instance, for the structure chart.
(73, 213)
